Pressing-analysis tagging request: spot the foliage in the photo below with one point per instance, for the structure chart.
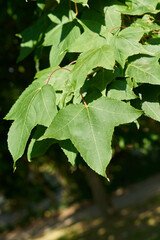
(104, 71)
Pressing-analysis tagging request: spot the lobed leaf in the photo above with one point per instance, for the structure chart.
(112, 18)
(38, 148)
(36, 106)
(150, 101)
(30, 37)
(126, 43)
(120, 90)
(97, 57)
(139, 7)
(90, 128)
(144, 70)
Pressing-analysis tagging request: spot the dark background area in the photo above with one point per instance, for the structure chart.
(50, 182)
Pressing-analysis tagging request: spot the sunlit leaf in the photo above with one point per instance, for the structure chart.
(35, 106)
(90, 128)
(144, 70)
(97, 57)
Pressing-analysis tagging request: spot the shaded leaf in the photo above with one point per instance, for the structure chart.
(38, 148)
(151, 101)
(81, 1)
(70, 32)
(69, 150)
(120, 90)
(102, 79)
(30, 37)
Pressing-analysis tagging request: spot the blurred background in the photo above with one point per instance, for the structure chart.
(50, 199)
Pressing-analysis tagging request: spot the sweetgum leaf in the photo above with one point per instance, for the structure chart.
(70, 32)
(38, 148)
(147, 23)
(30, 37)
(101, 80)
(56, 34)
(36, 106)
(61, 34)
(126, 43)
(112, 18)
(69, 150)
(151, 101)
(144, 70)
(120, 90)
(59, 80)
(90, 128)
(101, 56)
(139, 7)
(86, 41)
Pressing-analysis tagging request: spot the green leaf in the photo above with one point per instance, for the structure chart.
(144, 70)
(59, 80)
(38, 148)
(112, 18)
(90, 128)
(120, 90)
(126, 43)
(61, 34)
(116, 45)
(56, 55)
(37, 105)
(60, 28)
(88, 40)
(84, 2)
(69, 150)
(151, 101)
(147, 23)
(70, 32)
(139, 7)
(62, 14)
(101, 56)
(102, 79)
(30, 37)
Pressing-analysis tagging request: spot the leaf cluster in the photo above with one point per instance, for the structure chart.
(103, 72)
